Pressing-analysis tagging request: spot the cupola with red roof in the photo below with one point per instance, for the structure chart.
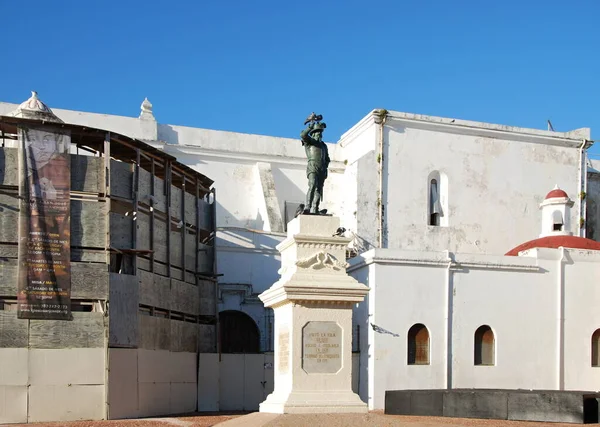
(556, 213)
(556, 226)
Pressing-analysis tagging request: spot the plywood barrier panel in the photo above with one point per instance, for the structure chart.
(190, 251)
(88, 280)
(176, 196)
(207, 297)
(207, 339)
(208, 382)
(87, 172)
(121, 179)
(9, 215)
(13, 332)
(183, 398)
(184, 297)
(50, 402)
(88, 224)
(86, 330)
(190, 209)
(155, 290)
(160, 240)
(184, 336)
(121, 231)
(205, 258)
(205, 208)
(67, 366)
(13, 404)
(154, 333)
(122, 383)
(9, 164)
(123, 310)
(142, 224)
(8, 250)
(145, 191)
(176, 245)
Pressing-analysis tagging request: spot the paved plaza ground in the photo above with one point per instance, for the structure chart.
(373, 419)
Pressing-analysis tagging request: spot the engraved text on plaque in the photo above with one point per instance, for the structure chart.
(321, 348)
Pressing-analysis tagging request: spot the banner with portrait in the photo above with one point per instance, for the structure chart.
(44, 277)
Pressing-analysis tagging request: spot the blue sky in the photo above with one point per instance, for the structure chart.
(263, 66)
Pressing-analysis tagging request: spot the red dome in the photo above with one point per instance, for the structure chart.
(554, 242)
(557, 192)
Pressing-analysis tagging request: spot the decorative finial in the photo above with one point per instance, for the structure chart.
(146, 110)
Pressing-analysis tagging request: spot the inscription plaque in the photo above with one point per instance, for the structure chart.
(284, 350)
(321, 348)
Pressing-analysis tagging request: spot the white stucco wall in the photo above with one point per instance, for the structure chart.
(521, 298)
(497, 176)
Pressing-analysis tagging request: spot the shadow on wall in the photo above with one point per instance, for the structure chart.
(168, 134)
(288, 190)
(227, 219)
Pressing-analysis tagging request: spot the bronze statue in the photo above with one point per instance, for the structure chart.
(318, 162)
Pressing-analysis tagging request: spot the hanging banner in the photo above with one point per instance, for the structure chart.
(44, 282)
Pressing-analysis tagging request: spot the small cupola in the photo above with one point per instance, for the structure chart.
(556, 213)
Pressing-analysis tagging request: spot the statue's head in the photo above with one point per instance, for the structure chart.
(317, 130)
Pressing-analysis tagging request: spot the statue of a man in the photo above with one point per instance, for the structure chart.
(318, 161)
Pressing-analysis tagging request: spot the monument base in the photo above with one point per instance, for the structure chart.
(314, 402)
(312, 306)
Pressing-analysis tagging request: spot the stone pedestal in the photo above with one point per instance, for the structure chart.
(312, 304)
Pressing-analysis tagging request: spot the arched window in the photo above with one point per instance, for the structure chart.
(437, 199)
(435, 209)
(418, 345)
(485, 346)
(239, 333)
(596, 348)
(557, 221)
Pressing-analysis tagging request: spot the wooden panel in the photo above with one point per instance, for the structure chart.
(160, 199)
(205, 215)
(121, 231)
(190, 251)
(175, 249)
(8, 278)
(77, 255)
(9, 216)
(154, 333)
(123, 310)
(205, 258)
(190, 209)
(207, 297)
(155, 290)
(13, 332)
(87, 174)
(9, 251)
(176, 194)
(88, 281)
(142, 223)
(9, 164)
(121, 179)
(184, 297)
(88, 255)
(86, 330)
(207, 339)
(160, 240)
(88, 224)
(184, 336)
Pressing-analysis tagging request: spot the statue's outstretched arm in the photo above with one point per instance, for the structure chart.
(306, 138)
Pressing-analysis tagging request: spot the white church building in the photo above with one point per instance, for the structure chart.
(434, 206)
